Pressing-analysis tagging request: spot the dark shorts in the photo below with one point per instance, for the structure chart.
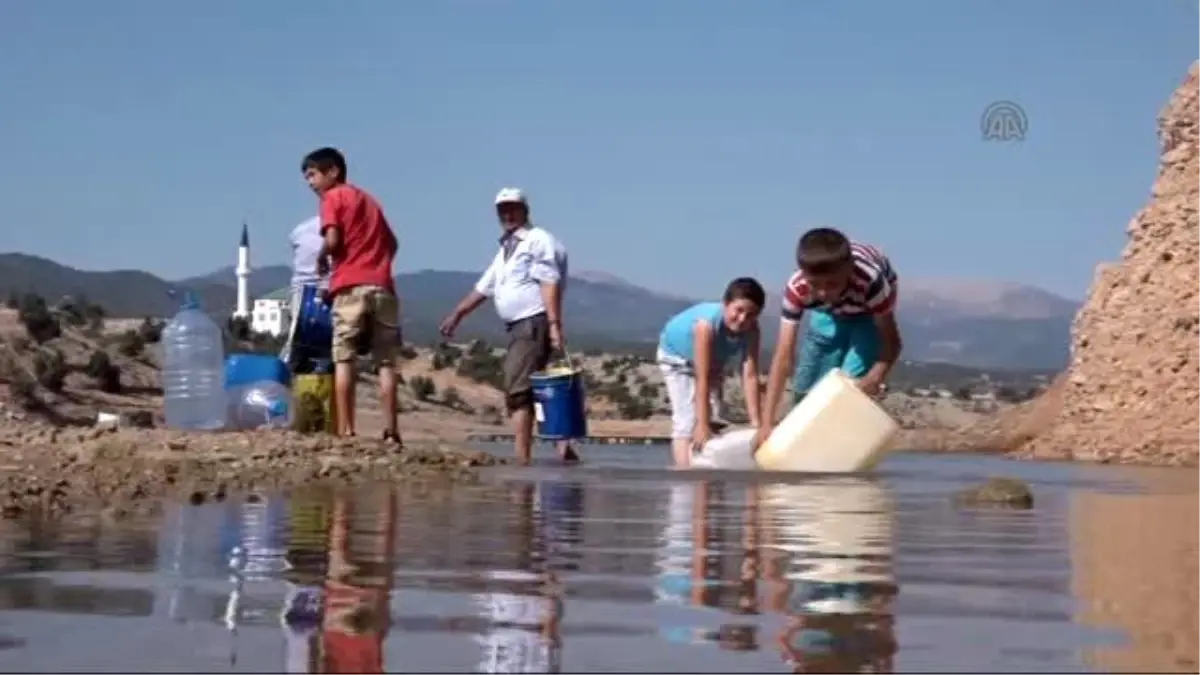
(528, 352)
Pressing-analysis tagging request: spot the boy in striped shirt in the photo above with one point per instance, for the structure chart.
(848, 292)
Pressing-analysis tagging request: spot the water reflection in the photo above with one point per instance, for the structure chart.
(817, 554)
(831, 548)
(606, 574)
(1135, 560)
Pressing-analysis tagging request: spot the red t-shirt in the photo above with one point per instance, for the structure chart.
(368, 243)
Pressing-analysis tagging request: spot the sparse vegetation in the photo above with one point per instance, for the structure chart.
(481, 365)
(104, 372)
(131, 344)
(50, 368)
(151, 330)
(452, 399)
(40, 323)
(445, 355)
(423, 388)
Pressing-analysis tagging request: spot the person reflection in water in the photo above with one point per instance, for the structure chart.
(689, 564)
(742, 636)
(523, 619)
(307, 559)
(357, 613)
(834, 623)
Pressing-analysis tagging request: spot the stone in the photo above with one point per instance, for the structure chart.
(137, 419)
(1008, 492)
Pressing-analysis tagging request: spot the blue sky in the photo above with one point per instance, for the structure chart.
(677, 144)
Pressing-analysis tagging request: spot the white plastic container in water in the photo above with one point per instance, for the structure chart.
(836, 532)
(729, 451)
(193, 373)
(260, 404)
(836, 428)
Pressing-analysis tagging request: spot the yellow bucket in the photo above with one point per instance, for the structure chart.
(321, 386)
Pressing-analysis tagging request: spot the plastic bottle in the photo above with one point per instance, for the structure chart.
(193, 372)
(265, 403)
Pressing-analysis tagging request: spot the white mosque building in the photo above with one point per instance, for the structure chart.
(270, 313)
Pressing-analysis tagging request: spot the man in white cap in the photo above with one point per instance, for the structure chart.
(526, 279)
(306, 244)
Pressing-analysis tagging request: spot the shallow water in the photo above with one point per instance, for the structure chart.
(621, 566)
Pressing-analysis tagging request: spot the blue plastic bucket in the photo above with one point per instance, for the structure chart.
(560, 404)
(314, 324)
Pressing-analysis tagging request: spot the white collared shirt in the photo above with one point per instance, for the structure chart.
(514, 284)
(306, 243)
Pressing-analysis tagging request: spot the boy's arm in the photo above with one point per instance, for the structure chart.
(750, 379)
(881, 300)
(781, 367)
(889, 351)
(702, 342)
(331, 230)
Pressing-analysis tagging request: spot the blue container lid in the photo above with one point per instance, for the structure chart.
(241, 369)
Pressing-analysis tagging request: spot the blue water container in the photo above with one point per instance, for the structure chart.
(244, 369)
(193, 354)
(314, 325)
(560, 403)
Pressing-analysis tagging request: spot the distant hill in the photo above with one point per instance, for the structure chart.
(981, 325)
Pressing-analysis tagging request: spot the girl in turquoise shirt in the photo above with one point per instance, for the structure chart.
(693, 350)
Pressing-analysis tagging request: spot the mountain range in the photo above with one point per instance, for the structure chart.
(970, 323)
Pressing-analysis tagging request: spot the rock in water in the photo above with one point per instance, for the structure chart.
(998, 492)
(1133, 386)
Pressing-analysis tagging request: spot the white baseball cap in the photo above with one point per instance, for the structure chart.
(510, 195)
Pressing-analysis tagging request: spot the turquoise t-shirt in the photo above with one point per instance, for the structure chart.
(677, 338)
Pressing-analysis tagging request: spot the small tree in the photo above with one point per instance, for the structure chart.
(105, 373)
(39, 322)
(50, 369)
(422, 387)
(150, 330)
(131, 344)
(451, 397)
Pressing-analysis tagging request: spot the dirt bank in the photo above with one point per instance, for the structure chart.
(57, 470)
(1132, 390)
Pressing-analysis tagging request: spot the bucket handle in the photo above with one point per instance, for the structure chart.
(566, 356)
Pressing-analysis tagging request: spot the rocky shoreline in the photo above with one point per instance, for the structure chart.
(48, 472)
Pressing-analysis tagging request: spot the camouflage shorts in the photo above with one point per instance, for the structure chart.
(366, 320)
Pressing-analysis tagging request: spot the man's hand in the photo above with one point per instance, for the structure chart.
(322, 265)
(556, 336)
(700, 437)
(448, 325)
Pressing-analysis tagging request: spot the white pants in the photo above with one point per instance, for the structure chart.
(680, 380)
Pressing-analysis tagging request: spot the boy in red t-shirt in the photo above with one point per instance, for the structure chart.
(359, 247)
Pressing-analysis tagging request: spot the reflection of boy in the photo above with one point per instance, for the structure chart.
(357, 612)
(522, 634)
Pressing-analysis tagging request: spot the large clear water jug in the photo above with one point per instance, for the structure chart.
(193, 373)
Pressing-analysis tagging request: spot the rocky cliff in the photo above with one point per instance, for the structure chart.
(1132, 390)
